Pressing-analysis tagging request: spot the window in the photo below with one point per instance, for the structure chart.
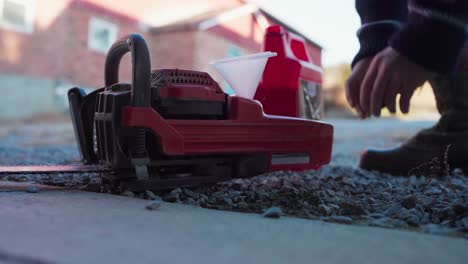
(17, 15)
(101, 35)
(233, 51)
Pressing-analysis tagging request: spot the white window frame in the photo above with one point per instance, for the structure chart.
(101, 23)
(30, 6)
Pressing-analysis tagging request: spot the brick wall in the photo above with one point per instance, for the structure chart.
(60, 49)
(173, 49)
(85, 66)
(36, 67)
(210, 47)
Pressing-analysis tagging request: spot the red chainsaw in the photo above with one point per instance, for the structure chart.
(174, 128)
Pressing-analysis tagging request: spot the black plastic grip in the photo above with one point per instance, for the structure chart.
(141, 67)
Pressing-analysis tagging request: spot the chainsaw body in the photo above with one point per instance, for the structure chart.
(174, 128)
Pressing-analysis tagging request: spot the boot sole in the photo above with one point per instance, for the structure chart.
(406, 167)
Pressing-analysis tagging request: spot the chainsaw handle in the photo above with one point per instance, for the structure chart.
(141, 67)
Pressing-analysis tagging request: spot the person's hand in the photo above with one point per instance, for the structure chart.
(354, 82)
(388, 75)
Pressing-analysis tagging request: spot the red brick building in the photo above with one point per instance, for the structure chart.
(48, 45)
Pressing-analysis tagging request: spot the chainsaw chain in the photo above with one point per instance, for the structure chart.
(51, 169)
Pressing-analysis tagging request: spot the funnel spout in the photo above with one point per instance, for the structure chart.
(243, 73)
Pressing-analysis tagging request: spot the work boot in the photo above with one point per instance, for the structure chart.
(437, 150)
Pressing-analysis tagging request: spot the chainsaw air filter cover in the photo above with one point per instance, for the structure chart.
(183, 94)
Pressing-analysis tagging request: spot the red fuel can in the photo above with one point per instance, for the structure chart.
(291, 84)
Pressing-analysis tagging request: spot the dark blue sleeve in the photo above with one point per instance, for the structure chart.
(380, 20)
(434, 35)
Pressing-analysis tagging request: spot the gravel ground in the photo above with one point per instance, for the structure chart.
(345, 195)
(338, 192)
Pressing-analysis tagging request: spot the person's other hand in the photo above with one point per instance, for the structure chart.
(388, 75)
(354, 82)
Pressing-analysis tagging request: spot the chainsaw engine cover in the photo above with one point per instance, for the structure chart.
(175, 94)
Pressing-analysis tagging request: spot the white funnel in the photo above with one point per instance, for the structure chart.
(243, 73)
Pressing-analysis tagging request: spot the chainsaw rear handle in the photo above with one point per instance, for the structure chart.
(141, 67)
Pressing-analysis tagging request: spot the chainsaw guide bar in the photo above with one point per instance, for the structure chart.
(51, 169)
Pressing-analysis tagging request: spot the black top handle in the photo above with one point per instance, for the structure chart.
(141, 67)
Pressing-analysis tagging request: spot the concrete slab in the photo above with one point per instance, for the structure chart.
(80, 227)
(8, 186)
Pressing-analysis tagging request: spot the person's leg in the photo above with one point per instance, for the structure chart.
(451, 92)
(447, 139)
(463, 65)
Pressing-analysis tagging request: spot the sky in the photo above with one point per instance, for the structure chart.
(331, 23)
